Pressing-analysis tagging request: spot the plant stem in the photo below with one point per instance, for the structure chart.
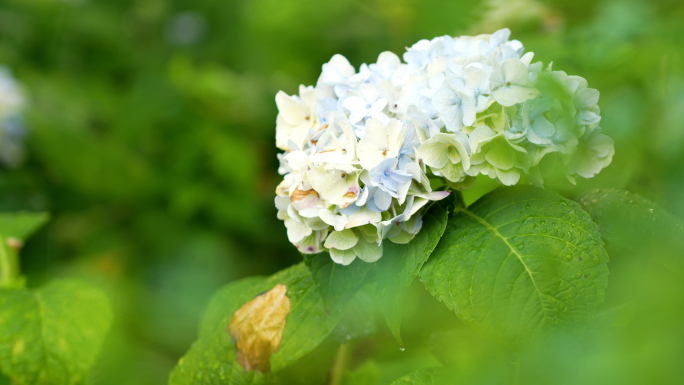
(9, 266)
(339, 365)
(459, 198)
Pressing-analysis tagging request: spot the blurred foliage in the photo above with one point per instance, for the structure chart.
(151, 145)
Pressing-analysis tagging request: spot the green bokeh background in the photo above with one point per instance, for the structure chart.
(152, 136)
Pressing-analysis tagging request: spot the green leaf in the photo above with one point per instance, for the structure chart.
(52, 335)
(519, 262)
(21, 224)
(212, 358)
(429, 376)
(336, 283)
(391, 274)
(631, 224)
(400, 264)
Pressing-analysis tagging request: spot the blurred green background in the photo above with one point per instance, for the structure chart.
(152, 133)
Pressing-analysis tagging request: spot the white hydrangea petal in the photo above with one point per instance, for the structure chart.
(282, 202)
(336, 186)
(290, 108)
(433, 152)
(508, 178)
(383, 200)
(361, 200)
(317, 224)
(341, 240)
(455, 107)
(514, 71)
(355, 104)
(513, 94)
(382, 141)
(342, 257)
(500, 36)
(526, 59)
(363, 217)
(602, 144)
(336, 221)
(336, 70)
(368, 251)
(453, 172)
(402, 237)
(369, 157)
(586, 98)
(296, 230)
(402, 192)
(499, 156)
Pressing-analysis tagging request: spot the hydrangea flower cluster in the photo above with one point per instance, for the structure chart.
(361, 148)
(12, 130)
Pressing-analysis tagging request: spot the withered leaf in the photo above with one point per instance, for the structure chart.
(257, 328)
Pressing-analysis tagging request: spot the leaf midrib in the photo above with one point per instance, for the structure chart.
(496, 232)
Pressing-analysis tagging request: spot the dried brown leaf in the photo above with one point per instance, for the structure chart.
(258, 326)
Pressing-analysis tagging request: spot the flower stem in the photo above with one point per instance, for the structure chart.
(337, 372)
(9, 267)
(460, 202)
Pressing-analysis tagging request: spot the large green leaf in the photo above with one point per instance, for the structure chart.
(519, 262)
(52, 335)
(212, 358)
(631, 224)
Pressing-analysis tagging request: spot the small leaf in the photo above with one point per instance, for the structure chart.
(21, 224)
(258, 328)
(212, 359)
(520, 262)
(52, 335)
